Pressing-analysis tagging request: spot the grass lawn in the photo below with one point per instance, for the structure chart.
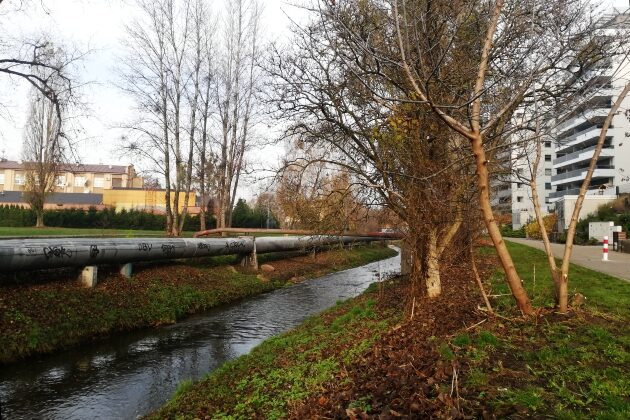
(554, 366)
(603, 292)
(58, 231)
(562, 366)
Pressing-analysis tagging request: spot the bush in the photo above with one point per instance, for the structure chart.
(592, 241)
(508, 232)
(533, 230)
(16, 216)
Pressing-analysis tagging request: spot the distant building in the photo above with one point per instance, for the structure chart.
(152, 200)
(56, 201)
(76, 186)
(577, 131)
(74, 178)
(521, 193)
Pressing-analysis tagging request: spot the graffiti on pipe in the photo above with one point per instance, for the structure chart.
(94, 251)
(31, 251)
(235, 246)
(167, 249)
(202, 245)
(56, 251)
(143, 246)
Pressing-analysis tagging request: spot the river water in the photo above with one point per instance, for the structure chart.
(135, 373)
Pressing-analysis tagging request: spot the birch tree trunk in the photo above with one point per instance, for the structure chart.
(512, 277)
(434, 287)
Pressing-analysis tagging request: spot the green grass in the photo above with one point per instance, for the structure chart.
(575, 366)
(602, 292)
(58, 231)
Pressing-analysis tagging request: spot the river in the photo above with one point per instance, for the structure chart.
(132, 374)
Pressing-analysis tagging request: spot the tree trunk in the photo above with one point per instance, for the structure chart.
(555, 277)
(513, 280)
(40, 218)
(478, 279)
(434, 287)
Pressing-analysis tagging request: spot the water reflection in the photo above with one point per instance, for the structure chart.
(133, 374)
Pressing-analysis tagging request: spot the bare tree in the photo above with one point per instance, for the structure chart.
(163, 73)
(468, 64)
(206, 161)
(47, 144)
(542, 125)
(398, 154)
(42, 153)
(560, 275)
(237, 84)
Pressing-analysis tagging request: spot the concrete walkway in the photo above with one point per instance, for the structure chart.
(618, 263)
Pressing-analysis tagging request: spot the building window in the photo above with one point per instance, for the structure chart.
(547, 185)
(548, 171)
(547, 144)
(99, 182)
(19, 179)
(519, 199)
(79, 181)
(547, 158)
(519, 185)
(61, 181)
(2, 177)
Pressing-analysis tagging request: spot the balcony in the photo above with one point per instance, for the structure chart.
(604, 92)
(591, 133)
(601, 171)
(593, 115)
(575, 191)
(581, 155)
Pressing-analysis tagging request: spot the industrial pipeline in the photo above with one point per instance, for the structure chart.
(32, 254)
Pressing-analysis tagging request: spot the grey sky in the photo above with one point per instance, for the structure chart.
(98, 25)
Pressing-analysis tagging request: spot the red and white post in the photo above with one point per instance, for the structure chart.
(605, 249)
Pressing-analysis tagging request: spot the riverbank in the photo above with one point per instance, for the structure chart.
(43, 316)
(367, 358)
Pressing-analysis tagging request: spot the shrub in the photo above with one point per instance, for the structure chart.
(533, 230)
(16, 216)
(508, 232)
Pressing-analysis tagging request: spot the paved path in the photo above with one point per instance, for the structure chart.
(618, 263)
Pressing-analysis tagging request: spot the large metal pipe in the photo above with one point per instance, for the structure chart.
(32, 254)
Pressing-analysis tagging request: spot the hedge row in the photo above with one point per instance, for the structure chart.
(16, 216)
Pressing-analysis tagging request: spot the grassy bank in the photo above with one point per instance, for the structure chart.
(366, 356)
(43, 316)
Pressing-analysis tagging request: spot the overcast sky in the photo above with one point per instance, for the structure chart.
(98, 25)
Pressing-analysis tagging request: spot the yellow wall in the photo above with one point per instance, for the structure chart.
(142, 199)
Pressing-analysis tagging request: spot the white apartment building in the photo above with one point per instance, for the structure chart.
(577, 132)
(567, 152)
